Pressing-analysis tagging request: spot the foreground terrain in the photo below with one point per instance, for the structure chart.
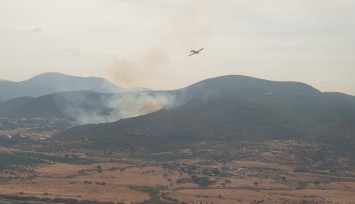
(193, 175)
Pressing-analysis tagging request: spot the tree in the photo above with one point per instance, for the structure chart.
(98, 169)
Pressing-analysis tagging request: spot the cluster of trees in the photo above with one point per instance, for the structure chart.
(202, 181)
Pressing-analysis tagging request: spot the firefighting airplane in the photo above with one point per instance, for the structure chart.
(194, 52)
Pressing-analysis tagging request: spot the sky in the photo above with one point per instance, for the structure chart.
(141, 43)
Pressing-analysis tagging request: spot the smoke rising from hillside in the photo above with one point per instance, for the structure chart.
(93, 108)
(148, 64)
(133, 104)
(162, 56)
(131, 72)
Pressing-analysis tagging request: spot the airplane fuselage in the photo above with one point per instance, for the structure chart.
(194, 52)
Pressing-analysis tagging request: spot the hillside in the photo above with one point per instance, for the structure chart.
(48, 83)
(13, 104)
(85, 106)
(81, 106)
(233, 108)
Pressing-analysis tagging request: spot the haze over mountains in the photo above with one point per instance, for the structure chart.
(85, 106)
(81, 99)
(48, 83)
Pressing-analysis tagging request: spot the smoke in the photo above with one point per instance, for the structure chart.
(181, 30)
(133, 104)
(149, 68)
(83, 116)
(162, 54)
(87, 107)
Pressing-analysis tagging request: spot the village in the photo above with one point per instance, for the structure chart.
(36, 128)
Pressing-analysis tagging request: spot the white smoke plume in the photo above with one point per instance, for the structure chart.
(93, 108)
(133, 104)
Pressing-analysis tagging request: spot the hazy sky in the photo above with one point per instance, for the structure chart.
(146, 43)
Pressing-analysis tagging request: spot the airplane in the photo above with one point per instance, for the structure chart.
(194, 52)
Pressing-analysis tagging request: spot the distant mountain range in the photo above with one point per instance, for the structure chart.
(233, 108)
(49, 83)
(227, 108)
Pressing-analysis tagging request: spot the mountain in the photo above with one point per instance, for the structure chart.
(244, 87)
(13, 104)
(48, 83)
(233, 108)
(73, 105)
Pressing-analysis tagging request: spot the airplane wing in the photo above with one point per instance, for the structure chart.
(194, 52)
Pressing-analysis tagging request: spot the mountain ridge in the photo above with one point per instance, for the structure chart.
(297, 111)
(53, 82)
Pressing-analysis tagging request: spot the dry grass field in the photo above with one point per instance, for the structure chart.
(230, 196)
(260, 164)
(117, 182)
(81, 181)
